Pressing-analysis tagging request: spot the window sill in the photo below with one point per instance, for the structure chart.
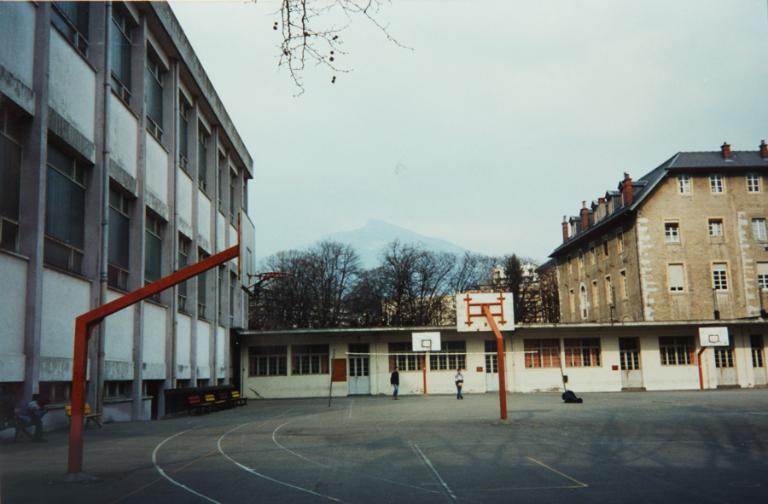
(14, 254)
(67, 272)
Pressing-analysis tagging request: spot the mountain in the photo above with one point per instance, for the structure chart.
(370, 240)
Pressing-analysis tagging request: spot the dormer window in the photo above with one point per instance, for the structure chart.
(753, 183)
(684, 184)
(716, 183)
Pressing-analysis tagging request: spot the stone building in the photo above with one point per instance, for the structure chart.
(118, 165)
(687, 241)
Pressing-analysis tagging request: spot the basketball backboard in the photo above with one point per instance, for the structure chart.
(246, 263)
(426, 341)
(713, 336)
(469, 311)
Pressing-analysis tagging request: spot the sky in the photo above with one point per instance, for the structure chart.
(501, 117)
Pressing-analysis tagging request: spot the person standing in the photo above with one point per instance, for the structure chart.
(459, 378)
(394, 380)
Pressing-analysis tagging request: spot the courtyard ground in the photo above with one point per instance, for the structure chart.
(629, 447)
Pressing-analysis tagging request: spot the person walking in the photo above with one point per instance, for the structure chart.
(394, 380)
(459, 378)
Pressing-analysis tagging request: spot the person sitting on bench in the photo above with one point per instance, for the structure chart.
(33, 414)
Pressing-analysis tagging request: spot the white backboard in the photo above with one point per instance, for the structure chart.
(469, 311)
(246, 263)
(713, 336)
(426, 341)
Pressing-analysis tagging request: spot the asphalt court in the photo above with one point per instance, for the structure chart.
(634, 447)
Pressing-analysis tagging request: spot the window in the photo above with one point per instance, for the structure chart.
(119, 239)
(715, 227)
(491, 357)
(762, 275)
(756, 342)
(572, 302)
(595, 294)
(716, 183)
(222, 182)
(623, 285)
(202, 288)
(309, 359)
(403, 357)
(671, 232)
(10, 177)
(629, 353)
(684, 184)
(118, 389)
(153, 248)
(452, 356)
(620, 243)
(583, 301)
(202, 159)
(55, 392)
(608, 290)
(120, 52)
(153, 82)
(65, 211)
(185, 110)
(676, 277)
(232, 298)
(605, 248)
(184, 246)
(71, 19)
(724, 356)
(268, 360)
(233, 200)
(676, 351)
(582, 352)
(220, 291)
(581, 264)
(758, 230)
(720, 276)
(542, 353)
(753, 183)
(244, 192)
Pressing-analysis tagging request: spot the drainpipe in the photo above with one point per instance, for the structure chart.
(103, 277)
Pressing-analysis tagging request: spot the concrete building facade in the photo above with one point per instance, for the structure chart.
(118, 165)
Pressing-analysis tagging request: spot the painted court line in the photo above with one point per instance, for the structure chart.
(264, 476)
(175, 482)
(434, 471)
(542, 464)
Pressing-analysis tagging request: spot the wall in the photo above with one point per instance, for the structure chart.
(17, 24)
(118, 344)
(123, 136)
(72, 89)
(204, 222)
(13, 272)
(183, 346)
(203, 349)
(157, 169)
(184, 203)
(153, 342)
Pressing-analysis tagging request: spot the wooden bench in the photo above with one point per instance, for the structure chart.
(195, 404)
(237, 399)
(215, 402)
(88, 415)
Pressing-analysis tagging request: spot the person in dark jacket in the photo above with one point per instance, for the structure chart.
(394, 380)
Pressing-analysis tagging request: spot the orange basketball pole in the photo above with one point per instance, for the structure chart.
(85, 322)
(701, 373)
(500, 354)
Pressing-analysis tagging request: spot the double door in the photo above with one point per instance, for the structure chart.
(359, 377)
(629, 356)
(491, 367)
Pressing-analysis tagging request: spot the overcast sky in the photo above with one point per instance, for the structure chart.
(504, 116)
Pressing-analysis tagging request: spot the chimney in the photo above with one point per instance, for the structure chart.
(725, 150)
(626, 190)
(565, 229)
(584, 216)
(763, 150)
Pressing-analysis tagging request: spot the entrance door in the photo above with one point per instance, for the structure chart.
(629, 354)
(491, 367)
(758, 359)
(726, 371)
(359, 378)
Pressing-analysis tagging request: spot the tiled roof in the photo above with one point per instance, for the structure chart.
(644, 186)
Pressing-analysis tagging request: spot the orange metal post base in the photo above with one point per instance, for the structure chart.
(701, 373)
(85, 322)
(500, 356)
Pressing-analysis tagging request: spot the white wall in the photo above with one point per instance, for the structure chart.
(221, 232)
(123, 136)
(13, 272)
(221, 352)
(659, 377)
(183, 346)
(184, 202)
(153, 340)
(118, 345)
(72, 90)
(157, 169)
(232, 236)
(204, 222)
(17, 24)
(202, 349)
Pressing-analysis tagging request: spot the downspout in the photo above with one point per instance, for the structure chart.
(103, 266)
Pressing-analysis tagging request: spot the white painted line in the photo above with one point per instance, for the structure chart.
(162, 473)
(434, 471)
(264, 476)
(542, 464)
(282, 447)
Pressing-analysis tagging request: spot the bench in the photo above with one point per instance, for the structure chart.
(195, 404)
(237, 399)
(88, 415)
(216, 402)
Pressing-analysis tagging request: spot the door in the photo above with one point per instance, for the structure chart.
(724, 365)
(359, 378)
(491, 367)
(629, 355)
(758, 360)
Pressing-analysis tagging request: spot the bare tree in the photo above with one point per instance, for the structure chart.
(311, 33)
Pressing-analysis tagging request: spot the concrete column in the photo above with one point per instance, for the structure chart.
(32, 202)
(193, 255)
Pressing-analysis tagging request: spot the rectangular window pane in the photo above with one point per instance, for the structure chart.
(759, 230)
(120, 49)
(676, 275)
